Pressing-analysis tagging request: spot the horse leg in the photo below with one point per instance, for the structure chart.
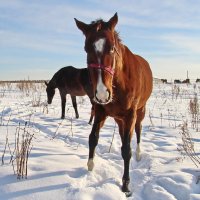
(138, 129)
(126, 155)
(63, 103)
(94, 137)
(121, 128)
(91, 115)
(75, 106)
(129, 124)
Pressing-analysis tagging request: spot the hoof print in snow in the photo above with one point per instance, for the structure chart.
(138, 157)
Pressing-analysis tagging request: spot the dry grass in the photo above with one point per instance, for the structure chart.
(195, 112)
(20, 153)
(23, 149)
(187, 147)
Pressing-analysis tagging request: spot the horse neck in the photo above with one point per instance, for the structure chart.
(119, 58)
(53, 83)
(122, 67)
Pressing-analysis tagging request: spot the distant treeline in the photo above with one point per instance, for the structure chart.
(24, 81)
(157, 80)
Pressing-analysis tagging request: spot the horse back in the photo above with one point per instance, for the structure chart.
(69, 80)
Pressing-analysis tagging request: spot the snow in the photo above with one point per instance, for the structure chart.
(57, 166)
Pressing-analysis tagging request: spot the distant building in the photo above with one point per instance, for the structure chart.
(157, 80)
(198, 80)
(177, 81)
(164, 80)
(186, 80)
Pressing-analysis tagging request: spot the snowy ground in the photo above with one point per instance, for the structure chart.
(57, 163)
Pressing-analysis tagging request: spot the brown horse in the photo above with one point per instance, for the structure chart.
(122, 84)
(73, 81)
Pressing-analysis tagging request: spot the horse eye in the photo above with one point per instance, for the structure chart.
(112, 49)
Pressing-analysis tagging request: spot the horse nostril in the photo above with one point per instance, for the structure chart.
(108, 94)
(96, 96)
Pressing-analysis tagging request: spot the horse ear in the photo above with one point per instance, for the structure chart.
(46, 83)
(82, 26)
(112, 22)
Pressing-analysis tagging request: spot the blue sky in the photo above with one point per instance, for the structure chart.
(39, 37)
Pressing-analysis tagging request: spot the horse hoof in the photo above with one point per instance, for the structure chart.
(126, 191)
(128, 194)
(62, 117)
(90, 164)
(77, 116)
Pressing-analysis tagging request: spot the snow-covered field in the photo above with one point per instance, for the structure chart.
(57, 162)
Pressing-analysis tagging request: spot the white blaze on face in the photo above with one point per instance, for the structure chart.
(99, 45)
(101, 90)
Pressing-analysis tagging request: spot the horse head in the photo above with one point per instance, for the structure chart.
(101, 48)
(50, 92)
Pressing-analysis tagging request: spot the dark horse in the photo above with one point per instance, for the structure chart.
(122, 84)
(73, 81)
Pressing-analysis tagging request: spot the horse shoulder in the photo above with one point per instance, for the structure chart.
(137, 79)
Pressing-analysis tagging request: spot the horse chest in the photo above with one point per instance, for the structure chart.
(120, 108)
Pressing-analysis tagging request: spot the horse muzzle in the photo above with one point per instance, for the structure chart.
(49, 101)
(102, 97)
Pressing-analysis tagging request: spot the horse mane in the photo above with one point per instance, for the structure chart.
(58, 75)
(53, 81)
(104, 26)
